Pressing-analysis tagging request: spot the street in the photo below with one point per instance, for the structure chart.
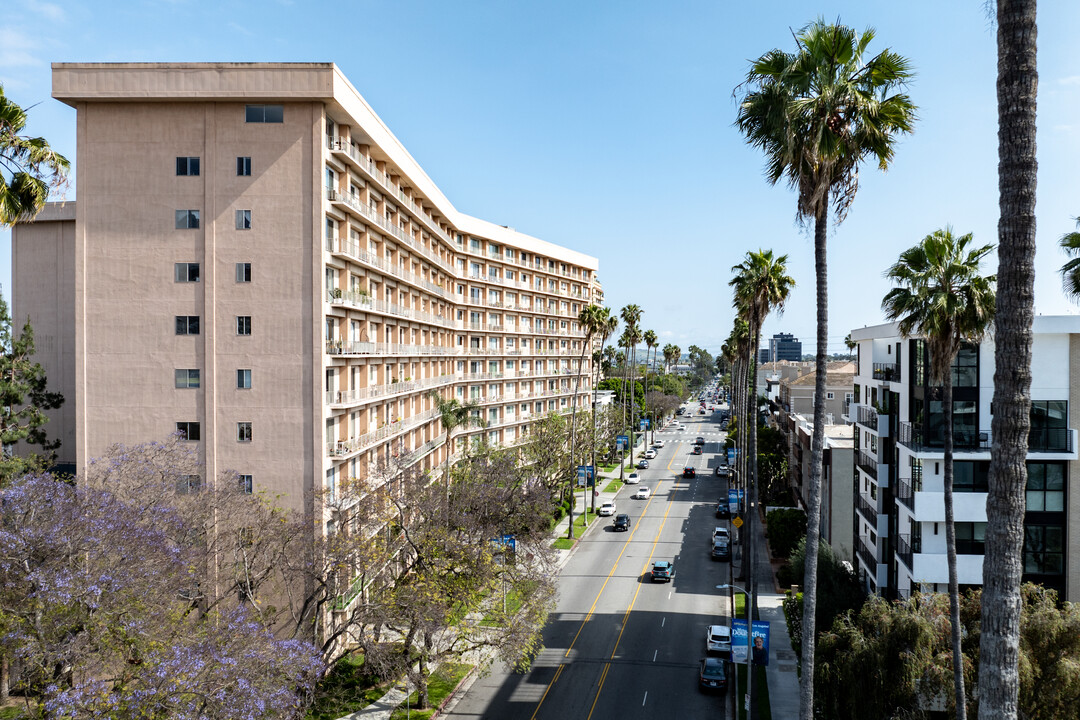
(619, 645)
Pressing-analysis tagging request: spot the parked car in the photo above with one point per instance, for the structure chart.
(721, 550)
(723, 510)
(606, 509)
(722, 471)
(696, 450)
(719, 532)
(712, 675)
(633, 479)
(718, 639)
(650, 454)
(689, 472)
(642, 493)
(658, 443)
(643, 465)
(622, 522)
(662, 571)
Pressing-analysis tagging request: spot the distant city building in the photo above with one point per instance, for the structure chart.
(764, 355)
(782, 346)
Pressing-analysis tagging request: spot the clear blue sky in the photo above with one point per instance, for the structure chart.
(607, 127)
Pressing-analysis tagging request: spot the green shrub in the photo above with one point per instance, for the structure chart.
(785, 528)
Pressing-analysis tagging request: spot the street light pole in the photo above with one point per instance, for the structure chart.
(749, 633)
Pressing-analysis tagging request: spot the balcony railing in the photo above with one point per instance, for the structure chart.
(866, 554)
(906, 547)
(890, 372)
(868, 416)
(868, 510)
(867, 462)
(905, 493)
(1040, 440)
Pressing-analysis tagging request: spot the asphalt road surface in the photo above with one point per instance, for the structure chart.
(619, 645)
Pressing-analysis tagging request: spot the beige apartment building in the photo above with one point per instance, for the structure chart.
(256, 261)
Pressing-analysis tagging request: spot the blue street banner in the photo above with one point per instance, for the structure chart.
(507, 542)
(731, 456)
(646, 424)
(759, 642)
(622, 442)
(586, 474)
(734, 497)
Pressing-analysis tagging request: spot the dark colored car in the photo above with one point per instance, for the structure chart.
(622, 522)
(723, 510)
(721, 550)
(662, 571)
(643, 465)
(689, 472)
(712, 675)
(696, 450)
(699, 441)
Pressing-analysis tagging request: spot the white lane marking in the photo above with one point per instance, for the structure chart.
(654, 652)
(662, 621)
(669, 595)
(644, 698)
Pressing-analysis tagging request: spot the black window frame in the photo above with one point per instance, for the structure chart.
(189, 219)
(264, 114)
(243, 325)
(243, 432)
(243, 166)
(188, 325)
(185, 427)
(187, 166)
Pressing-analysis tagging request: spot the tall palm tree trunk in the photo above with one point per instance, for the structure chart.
(950, 550)
(573, 436)
(999, 641)
(817, 444)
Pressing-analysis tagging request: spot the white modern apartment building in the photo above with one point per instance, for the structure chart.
(899, 474)
(256, 261)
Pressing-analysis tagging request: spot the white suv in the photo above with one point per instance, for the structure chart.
(650, 454)
(718, 639)
(606, 509)
(720, 533)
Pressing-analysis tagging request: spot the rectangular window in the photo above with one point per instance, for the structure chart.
(187, 378)
(189, 431)
(187, 219)
(187, 324)
(1045, 487)
(243, 324)
(243, 219)
(264, 113)
(243, 379)
(245, 484)
(243, 272)
(187, 166)
(188, 484)
(186, 272)
(243, 432)
(243, 166)
(1044, 549)
(970, 538)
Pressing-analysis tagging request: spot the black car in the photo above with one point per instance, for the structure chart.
(712, 675)
(699, 441)
(723, 510)
(689, 472)
(696, 450)
(721, 550)
(622, 522)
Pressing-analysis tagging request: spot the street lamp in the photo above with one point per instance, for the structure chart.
(749, 669)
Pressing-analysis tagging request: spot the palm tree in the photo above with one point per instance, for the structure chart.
(631, 315)
(818, 114)
(1017, 82)
(669, 357)
(452, 415)
(589, 319)
(1070, 271)
(29, 168)
(649, 337)
(606, 328)
(941, 296)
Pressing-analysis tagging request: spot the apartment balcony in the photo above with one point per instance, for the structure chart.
(867, 416)
(342, 449)
(350, 249)
(363, 301)
(906, 547)
(867, 554)
(867, 463)
(868, 508)
(889, 372)
(1040, 440)
(347, 348)
(418, 454)
(905, 493)
(338, 399)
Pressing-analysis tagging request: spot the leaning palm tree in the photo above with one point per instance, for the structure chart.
(649, 337)
(1017, 83)
(941, 296)
(817, 114)
(29, 168)
(1070, 271)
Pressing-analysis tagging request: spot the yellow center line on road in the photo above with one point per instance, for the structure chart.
(592, 608)
(603, 676)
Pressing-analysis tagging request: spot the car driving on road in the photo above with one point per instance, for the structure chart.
(622, 522)
(689, 472)
(662, 571)
(633, 479)
(712, 675)
(643, 465)
(607, 509)
(642, 493)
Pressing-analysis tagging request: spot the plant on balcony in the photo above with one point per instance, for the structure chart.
(942, 296)
(337, 293)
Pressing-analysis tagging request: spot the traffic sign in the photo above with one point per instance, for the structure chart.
(737, 522)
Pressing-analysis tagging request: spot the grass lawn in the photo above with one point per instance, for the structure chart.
(346, 689)
(12, 713)
(563, 544)
(613, 486)
(581, 520)
(441, 683)
(513, 604)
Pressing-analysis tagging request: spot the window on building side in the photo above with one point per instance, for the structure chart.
(189, 430)
(187, 378)
(187, 324)
(243, 166)
(243, 272)
(186, 272)
(243, 379)
(1044, 549)
(264, 113)
(243, 219)
(243, 432)
(187, 219)
(188, 484)
(187, 166)
(246, 484)
(243, 324)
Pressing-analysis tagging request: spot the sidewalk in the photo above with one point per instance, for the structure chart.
(382, 708)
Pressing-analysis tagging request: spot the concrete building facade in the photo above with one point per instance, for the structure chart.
(256, 261)
(899, 504)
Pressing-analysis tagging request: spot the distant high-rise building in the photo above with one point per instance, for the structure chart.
(764, 355)
(782, 346)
